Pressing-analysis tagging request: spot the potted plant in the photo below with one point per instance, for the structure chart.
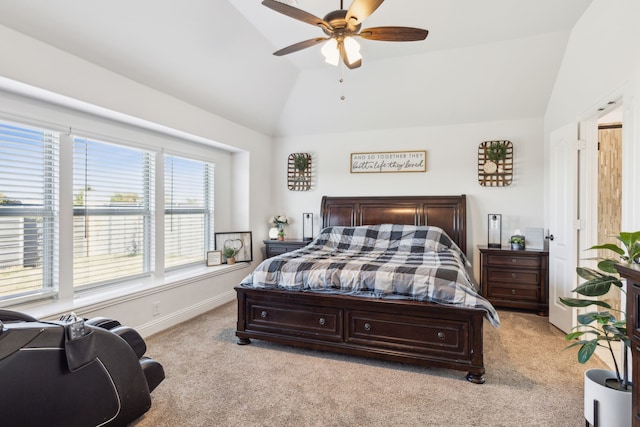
(300, 162)
(230, 254)
(602, 328)
(517, 242)
(279, 221)
(497, 151)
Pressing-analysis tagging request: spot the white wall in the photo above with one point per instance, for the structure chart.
(451, 169)
(243, 156)
(602, 61)
(504, 80)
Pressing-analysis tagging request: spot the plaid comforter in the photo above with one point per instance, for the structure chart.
(381, 261)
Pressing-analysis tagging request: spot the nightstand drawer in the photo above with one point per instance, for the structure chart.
(521, 293)
(513, 260)
(278, 247)
(524, 277)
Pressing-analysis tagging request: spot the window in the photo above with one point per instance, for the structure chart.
(113, 212)
(188, 187)
(106, 231)
(28, 209)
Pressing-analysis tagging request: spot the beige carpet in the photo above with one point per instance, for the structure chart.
(212, 381)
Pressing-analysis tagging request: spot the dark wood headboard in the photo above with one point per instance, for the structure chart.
(446, 212)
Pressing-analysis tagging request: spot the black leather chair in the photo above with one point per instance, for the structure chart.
(48, 380)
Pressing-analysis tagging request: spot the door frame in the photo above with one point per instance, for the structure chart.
(588, 126)
(588, 200)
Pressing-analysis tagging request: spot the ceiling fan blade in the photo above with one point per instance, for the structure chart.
(361, 9)
(295, 13)
(299, 46)
(345, 59)
(394, 34)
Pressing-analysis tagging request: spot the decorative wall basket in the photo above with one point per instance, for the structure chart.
(495, 163)
(299, 172)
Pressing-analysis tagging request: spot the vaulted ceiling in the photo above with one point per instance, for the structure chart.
(483, 60)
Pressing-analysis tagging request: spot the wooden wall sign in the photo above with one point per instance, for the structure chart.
(495, 163)
(389, 161)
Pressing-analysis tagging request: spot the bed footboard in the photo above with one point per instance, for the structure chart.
(420, 333)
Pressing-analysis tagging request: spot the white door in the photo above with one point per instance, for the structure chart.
(563, 194)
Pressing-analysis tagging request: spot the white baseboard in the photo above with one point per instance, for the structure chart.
(174, 318)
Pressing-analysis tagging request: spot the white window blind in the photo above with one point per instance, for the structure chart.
(113, 212)
(28, 209)
(188, 210)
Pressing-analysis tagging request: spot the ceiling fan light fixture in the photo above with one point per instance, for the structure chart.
(339, 25)
(352, 48)
(330, 52)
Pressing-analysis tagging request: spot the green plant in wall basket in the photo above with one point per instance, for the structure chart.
(300, 162)
(497, 151)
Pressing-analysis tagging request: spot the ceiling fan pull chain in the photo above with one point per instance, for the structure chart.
(341, 81)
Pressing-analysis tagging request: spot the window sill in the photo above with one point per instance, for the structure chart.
(100, 298)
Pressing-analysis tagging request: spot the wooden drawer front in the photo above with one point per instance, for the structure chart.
(274, 250)
(408, 333)
(513, 293)
(295, 320)
(292, 247)
(516, 277)
(515, 260)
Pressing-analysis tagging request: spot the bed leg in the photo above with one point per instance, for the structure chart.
(244, 341)
(475, 378)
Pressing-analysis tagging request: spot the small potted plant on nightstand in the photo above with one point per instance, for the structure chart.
(279, 221)
(517, 242)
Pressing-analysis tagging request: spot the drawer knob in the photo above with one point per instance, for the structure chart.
(263, 314)
(322, 321)
(513, 260)
(367, 326)
(514, 275)
(441, 335)
(513, 291)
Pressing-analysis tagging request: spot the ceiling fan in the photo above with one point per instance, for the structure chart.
(341, 26)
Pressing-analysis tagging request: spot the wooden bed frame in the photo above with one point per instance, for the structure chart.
(421, 333)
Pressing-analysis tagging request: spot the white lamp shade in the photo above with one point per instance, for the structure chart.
(353, 50)
(330, 52)
(273, 233)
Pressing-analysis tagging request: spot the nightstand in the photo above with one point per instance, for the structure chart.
(515, 279)
(277, 247)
